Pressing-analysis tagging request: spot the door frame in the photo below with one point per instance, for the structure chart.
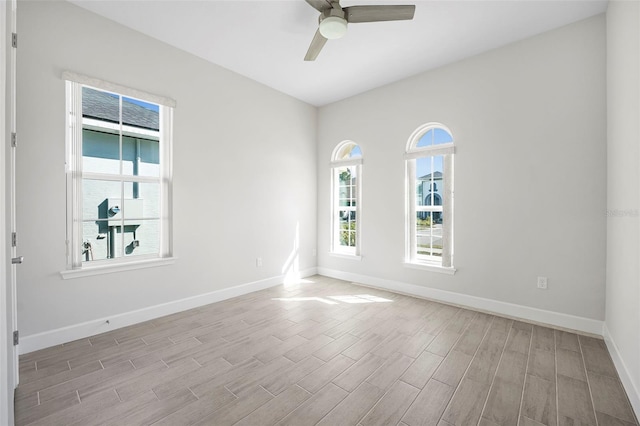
(5, 349)
(8, 318)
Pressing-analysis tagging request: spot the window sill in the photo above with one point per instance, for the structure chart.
(432, 268)
(120, 267)
(345, 256)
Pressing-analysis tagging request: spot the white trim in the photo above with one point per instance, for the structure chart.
(114, 87)
(70, 333)
(556, 319)
(631, 388)
(6, 401)
(345, 255)
(89, 271)
(430, 152)
(432, 268)
(347, 162)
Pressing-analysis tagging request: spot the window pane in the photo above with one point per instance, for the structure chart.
(145, 200)
(429, 181)
(101, 240)
(429, 233)
(140, 114)
(100, 152)
(441, 136)
(99, 105)
(96, 196)
(426, 139)
(141, 157)
(349, 150)
(347, 228)
(435, 136)
(144, 238)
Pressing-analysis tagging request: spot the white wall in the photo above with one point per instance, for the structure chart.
(623, 192)
(244, 164)
(528, 121)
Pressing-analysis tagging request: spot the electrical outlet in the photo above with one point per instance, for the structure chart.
(542, 283)
(258, 262)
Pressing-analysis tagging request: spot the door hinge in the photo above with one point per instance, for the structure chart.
(16, 338)
(14, 239)
(14, 139)
(14, 40)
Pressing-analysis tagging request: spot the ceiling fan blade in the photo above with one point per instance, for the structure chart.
(316, 46)
(320, 5)
(378, 13)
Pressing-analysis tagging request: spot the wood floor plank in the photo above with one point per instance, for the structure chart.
(416, 344)
(332, 349)
(197, 410)
(392, 406)
(353, 376)
(132, 388)
(283, 379)
(539, 400)
(422, 369)
(316, 407)
(51, 406)
(597, 360)
(542, 364)
(354, 407)
(101, 417)
(319, 378)
(607, 420)
(390, 371)
(512, 368)
(154, 410)
(609, 397)
(96, 403)
(237, 409)
(574, 402)
(277, 408)
(466, 405)
(452, 368)
(543, 339)
(503, 404)
(570, 364)
(429, 405)
(566, 340)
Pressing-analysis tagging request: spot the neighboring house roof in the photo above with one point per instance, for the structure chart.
(105, 106)
(436, 176)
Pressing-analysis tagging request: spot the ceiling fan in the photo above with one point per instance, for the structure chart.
(334, 19)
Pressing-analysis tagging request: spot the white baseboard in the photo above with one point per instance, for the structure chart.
(556, 319)
(621, 367)
(62, 335)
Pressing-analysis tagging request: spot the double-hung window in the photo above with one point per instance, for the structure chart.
(429, 196)
(118, 175)
(346, 180)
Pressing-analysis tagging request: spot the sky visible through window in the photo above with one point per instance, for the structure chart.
(432, 137)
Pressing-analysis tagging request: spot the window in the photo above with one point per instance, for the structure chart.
(118, 174)
(429, 220)
(346, 177)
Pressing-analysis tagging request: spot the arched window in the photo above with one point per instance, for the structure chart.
(346, 181)
(429, 194)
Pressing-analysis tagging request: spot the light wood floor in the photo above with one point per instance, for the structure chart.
(325, 352)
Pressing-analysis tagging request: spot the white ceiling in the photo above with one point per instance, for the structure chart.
(266, 40)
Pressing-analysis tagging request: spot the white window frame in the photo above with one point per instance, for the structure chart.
(336, 165)
(75, 123)
(442, 263)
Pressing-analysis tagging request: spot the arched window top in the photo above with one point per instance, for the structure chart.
(345, 151)
(430, 136)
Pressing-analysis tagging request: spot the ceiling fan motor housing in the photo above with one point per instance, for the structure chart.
(333, 25)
